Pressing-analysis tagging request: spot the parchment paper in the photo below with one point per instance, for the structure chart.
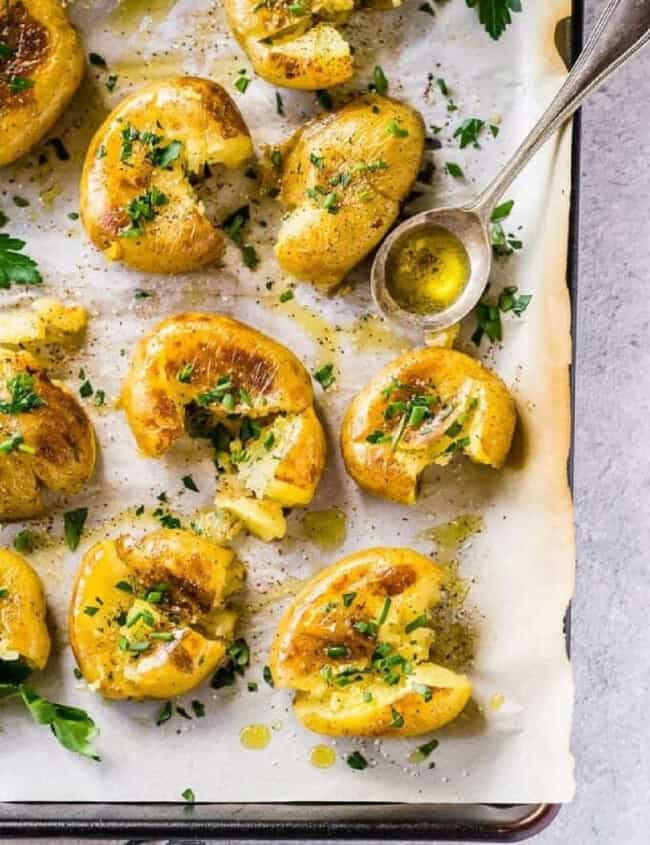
(521, 565)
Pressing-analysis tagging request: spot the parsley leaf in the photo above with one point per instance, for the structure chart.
(15, 267)
(468, 132)
(73, 727)
(495, 14)
(73, 526)
(23, 397)
(325, 376)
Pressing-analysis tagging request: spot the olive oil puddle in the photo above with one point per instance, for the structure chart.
(327, 528)
(130, 13)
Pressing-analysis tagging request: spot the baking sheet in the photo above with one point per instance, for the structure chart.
(521, 565)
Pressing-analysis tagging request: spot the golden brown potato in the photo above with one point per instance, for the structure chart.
(344, 175)
(46, 439)
(41, 66)
(149, 618)
(422, 409)
(137, 202)
(222, 379)
(355, 645)
(297, 45)
(23, 631)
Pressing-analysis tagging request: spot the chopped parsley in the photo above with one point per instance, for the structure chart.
(268, 676)
(279, 105)
(495, 15)
(165, 714)
(428, 747)
(16, 443)
(188, 795)
(357, 761)
(428, 8)
(15, 267)
(286, 295)
(18, 84)
(379, 81)
(469, 131)
(396, 719)
(73, 525)
(96, 60)
(454, 170)
(23, 397)
(24, 541)
(242, 82)
(325, 376)
(393, 128)
(185, 373)
(502, 244)
(189, 483)
(143, 209)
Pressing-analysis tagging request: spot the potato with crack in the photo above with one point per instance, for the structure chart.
(215, 377)
(343, 177)
(150, 617)
(422, 409)
(297, 44)
(41, 67)
(46, 439)
(138, 201)
(354, 644)
(24, 638)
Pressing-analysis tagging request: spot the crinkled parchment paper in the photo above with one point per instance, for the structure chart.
(521, 566)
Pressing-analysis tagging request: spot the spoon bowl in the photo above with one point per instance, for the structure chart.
(621, 31)
(466, 225)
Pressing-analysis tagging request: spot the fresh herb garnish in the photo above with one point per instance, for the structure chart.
(188, 795)
(396, 719)
(14, 267)
(143, 209)
(393, 128)
(286, 295)
(428, 747)
(502, 244)
(268, 676)
(325, 376)
(379, 81)
(23, 396)
(454, 170)
(165, 714)
(495, 15)
(73, 526)
(189, 483)
(96, 60)
(279, 105)
(185, 373)
(16, 443)
(24, 541)
(242, 82)
(468, 132)
(357, 761)
(18, 84)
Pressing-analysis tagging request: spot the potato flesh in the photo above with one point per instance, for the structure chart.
(392, 587)
(23, 629)
(46, 321)
(200, 577)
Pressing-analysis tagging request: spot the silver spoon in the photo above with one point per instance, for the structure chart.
(622, 29)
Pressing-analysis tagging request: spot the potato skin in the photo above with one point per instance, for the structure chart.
(46, 50)
(23, 629)
(60, 433)
(322, 247)
(394, 474)
(326, 614)
(201, 116)
(154, 399)
(199, 577)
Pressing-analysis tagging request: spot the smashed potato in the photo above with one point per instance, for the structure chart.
(297, 45)
(355, 645)
(44, 321)
(41, 66)
(149, 618)
(422, 409)
(221, 379)
(343, 177)
(46, 439)
(23, 631)
(137, 199)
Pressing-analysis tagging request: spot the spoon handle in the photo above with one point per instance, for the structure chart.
(622, 29)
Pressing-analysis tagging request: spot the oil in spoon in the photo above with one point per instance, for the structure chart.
(427, 270)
